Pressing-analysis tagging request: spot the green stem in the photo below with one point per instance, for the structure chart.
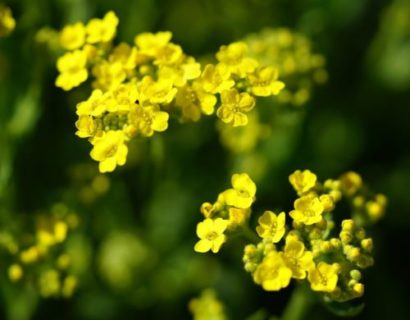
(299, 304)
(250, 234)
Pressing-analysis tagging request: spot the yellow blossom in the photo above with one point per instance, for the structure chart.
(85, 126)
(271, 226)
(211, 235)
(302, 182)
(126, 55)
(264, 82)
(308, 210)
(243, 192)
(272, 273)
(207, 307)
(324, 277)
(169, 54)
(110, 150)
(234, 57)
(237, 216)
(150, 43)
(149, 119)
(160, 91)
(95, 105)
(296, 258)
(180, 73)
(350, 182)
(72, 67)
(233, 107)
(193, 101)
(7, 22)
(72, 36)
(102, 30)
(108, 75)
(216, 79)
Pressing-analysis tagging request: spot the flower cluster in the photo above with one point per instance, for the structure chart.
(291, 52)
(137, 88)
(7, 22)
(40, 259)
(230, 210)
(309, 247)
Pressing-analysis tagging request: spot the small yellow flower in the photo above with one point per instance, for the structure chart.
(180, 73)
(160, 91)
(302, 182)
(72, 67)
(95, 105)
(85, 126)
(211, 235)
(272, 273)
(271, 226)
(207, 307)
(150, 43)
(7, 22)
(234, 57)
(296, 258)
(126, 55)
(308, 210)
(108, 75)
(237, 216)
(264, 82)
(216, 79)
(243, 192)
(72, 36)
(169, 54)
(102, 30)
(110, 150)
(234, 106)
(149, 119)
(194, 101)
(324, 277)
(350, 183)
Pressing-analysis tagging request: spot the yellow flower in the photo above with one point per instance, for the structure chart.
(233, 107)
(308, 210)
(169, 54)
(194, 101)
(302, 182)
(160, 91)
(207, 307)
(272, 273)
(72, 70)
(110, 150)
(216, 79)
(211, 235)
(235, 59)
(237, 216)
(271, 226)
(296, 258)
(124, 98)
(149, 119)
(150, 43)
(243, 192)
(126, 55)
(264, 82)
(180, 73)
(72, 36)
(108, 75)
(85, 126)
(94, 106)
(324, 277)
(7, 22)
(102, 30)
(350, 183)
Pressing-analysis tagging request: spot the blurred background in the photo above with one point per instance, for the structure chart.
(132, 232)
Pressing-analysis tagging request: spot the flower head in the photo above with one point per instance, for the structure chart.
(302, 182)
(271, 226)
(110, 150)
(234, 57)
(102, 30)
(324, 277)
(243, 192)
(72, 67)
(72, 36)
(308, 210)
(296, 257)
(211, 235)
(234, 106)
(264, 82)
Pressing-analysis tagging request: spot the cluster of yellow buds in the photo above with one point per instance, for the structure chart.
(137, 88)
(40, 258)
(308, 249)
(207, 306)
(300, 68)
(7, 22)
